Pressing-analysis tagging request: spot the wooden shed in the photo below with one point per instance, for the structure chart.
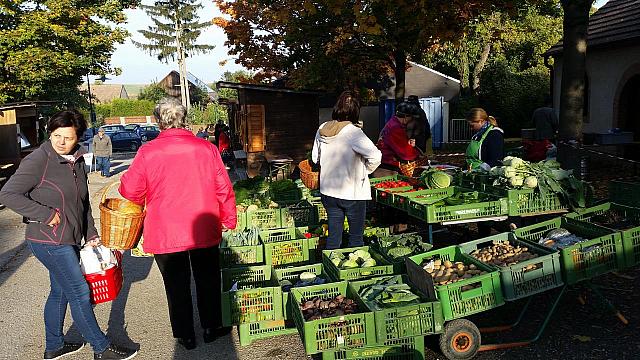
(272, 122)
(21, 118)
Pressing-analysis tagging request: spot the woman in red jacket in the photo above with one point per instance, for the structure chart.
(394, 143)
(189, 202)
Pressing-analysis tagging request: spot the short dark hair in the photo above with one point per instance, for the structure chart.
(347, 108)
(413, 99)
(68, 118)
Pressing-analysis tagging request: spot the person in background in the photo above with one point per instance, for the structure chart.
(346, 157)
(393, 142)
(102, 150)
(486, 148)
(189, 203)
(55, 231)
(201, 134)
(419, 128)
(546, 124)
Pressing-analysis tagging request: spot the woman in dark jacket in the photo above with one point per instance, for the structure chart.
(49, 190)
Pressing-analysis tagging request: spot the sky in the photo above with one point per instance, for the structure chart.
(139, 67)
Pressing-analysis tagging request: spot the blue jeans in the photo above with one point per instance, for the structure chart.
(337, 209)
(104, 163)
(68, 286)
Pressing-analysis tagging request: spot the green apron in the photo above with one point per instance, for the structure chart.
(473, 150)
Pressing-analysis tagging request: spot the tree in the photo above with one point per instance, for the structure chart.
(333, 44)
(176, 36)
(574, 51)
(46, 47)
(153, 92)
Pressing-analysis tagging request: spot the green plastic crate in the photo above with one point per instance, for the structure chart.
(630, 236)
(258, 297)
(264, 330)
(374, 181)
(399, 265)
(265, 218)
(303, 213)
(322, 212)
(240, 255)
(335, 333)
(401, 201)
(400, 322)
(457, 303)
(287, 246)
(431, 213)
(241, 222)
(386, 196)
(601, 253)
(518, 283)
(291, 273)
(624, 192)
(383, 267)
(398, 349)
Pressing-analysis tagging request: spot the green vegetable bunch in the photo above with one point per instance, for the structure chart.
(387, 292)
(246, 237)
(401, 245)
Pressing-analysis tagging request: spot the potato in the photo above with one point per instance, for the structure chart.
(472, 266)
(437, 262)
(448, 264)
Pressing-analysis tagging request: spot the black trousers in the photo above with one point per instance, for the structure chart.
(176, 272)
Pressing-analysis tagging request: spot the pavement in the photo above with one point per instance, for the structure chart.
(138, 317)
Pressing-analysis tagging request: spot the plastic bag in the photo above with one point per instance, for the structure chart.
(96, 259)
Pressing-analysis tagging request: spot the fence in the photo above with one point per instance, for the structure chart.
(459, 131)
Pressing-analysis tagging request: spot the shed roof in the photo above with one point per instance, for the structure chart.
(105, 93)
(424, 81)
(263, 87)
(618, 21)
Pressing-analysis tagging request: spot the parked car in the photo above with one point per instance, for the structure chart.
(109, 129)
(125, 140)
(150, 132)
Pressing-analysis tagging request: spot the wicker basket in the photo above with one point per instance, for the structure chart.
(118, 230)
(310, 179)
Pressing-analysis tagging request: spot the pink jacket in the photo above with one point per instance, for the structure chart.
(187, 191)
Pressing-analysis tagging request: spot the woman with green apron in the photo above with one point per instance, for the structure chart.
(486, 148)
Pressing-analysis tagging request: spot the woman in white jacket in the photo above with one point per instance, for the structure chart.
(346, 157)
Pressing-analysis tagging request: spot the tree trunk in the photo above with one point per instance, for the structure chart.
(477, 70)
(576, 21)
(400, 60)
(464, 72)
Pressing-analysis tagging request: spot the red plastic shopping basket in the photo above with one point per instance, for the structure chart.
(105, 286)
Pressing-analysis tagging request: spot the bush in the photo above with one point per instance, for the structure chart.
(210, 114)
(153, 92)
(125, 107)
(512, 96)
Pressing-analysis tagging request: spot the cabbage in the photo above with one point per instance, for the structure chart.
(531, 182)
(361, 254)
(552, 164)
(349, 264)
(439, 180)
(509, 172)
(336, 261)
(307, 277)
(368, 263)
(516, 181)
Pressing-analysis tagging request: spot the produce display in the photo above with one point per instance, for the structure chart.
(545, 176)
(447, 272)
(466, 197)
(390, 184)
(402, 245)
(318, 308)
(246, 237)
(252, 191)
(560, 238)
(357, 259)
(504, 254)
(304, 279)
(282, 186)
(387, 292)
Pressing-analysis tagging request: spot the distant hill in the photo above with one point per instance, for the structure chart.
(133, 90)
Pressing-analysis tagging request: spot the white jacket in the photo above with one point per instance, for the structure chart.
(347, 156)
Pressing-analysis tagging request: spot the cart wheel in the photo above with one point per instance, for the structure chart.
(460, 340)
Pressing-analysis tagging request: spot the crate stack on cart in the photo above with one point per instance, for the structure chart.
(379, 301)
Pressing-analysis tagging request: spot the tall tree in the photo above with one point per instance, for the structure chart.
(574, 52)
(335, 43)
(174, 35)
(46, 47)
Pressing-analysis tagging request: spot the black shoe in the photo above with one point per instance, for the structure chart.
(66, 349)
(114, 352)
(188, 343)
(211, 334)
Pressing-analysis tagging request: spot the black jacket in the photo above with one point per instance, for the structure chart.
(45, 183)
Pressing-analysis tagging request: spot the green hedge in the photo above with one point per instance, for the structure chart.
(125, 107)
